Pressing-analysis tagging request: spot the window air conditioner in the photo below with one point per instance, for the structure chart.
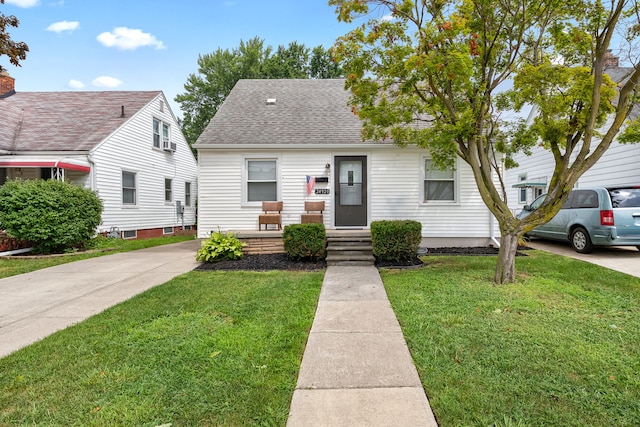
(166, 145)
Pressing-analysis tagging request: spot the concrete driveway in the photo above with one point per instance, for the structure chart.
(37, 304)
(625, 259)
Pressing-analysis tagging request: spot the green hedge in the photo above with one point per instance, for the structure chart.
(52, 215)
(396, 240)
(305, 241)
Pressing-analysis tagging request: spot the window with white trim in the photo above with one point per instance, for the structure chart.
(187, 194)
(168, 190)
(129, 189)
(156, 133)
(439, 185)
(161, 134)
(522, 192)
(261, 180)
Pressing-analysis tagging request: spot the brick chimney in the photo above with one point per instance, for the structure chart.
(610, 61)
(7, 84)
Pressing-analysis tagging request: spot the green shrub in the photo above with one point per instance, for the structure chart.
(305, 241)
(52, 215)
(220, 246)
(396, 240)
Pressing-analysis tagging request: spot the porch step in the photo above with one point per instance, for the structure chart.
(350, 249)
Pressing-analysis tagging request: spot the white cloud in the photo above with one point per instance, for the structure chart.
(129, 39)
(58, 27)
(75, 84)
(106, 81)
(23, 3)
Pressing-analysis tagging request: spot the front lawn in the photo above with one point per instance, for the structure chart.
(206, 348)
(561, 347)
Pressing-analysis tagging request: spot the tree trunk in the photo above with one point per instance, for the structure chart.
(506, 265)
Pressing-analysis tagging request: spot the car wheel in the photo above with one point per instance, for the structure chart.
(580, 241)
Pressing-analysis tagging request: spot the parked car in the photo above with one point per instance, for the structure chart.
(591, 217)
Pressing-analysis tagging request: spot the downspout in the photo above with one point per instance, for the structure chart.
(92, 173)
(492, 232)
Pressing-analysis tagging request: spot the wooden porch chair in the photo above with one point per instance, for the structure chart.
(270, 216)
(314, 212)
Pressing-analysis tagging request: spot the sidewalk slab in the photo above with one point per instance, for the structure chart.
(355, 316)
(357, 361)
(361, 408)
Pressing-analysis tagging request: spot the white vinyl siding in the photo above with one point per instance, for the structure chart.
(129, 149)
(618, 166)
(395, 191)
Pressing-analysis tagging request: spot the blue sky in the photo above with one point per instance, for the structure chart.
(150, 44)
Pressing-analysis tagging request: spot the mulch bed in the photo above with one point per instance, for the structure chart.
(282, 261)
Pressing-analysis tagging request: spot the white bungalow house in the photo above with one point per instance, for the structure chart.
(618, 165)
(298, 140)
(126, 146)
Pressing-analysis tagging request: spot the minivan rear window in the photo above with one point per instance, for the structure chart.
(625, 197)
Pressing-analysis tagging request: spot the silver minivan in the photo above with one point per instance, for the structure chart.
(596, 216)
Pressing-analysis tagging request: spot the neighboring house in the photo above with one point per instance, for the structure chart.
(126, 146)
(618, 165)
(270, 135)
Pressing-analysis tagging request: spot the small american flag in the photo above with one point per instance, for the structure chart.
(311, 182)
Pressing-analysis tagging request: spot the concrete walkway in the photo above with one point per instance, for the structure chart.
(356, 369)
(37, 304)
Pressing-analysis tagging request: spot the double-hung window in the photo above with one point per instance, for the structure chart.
(156, 133)
(262, 180)
(168, 190)
(439, 184)
(161, 134)
(187, 194)
(522, 192)
(128, 188)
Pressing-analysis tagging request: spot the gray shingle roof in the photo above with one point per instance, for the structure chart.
(305, 112)
(65, 121)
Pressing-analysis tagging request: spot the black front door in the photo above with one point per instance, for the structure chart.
(351, 191)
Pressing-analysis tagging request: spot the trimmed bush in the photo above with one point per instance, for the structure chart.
(52, 215)
(220, 246)
(396, 240)
(305, 241)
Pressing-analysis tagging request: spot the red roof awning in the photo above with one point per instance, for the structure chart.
(68, 163)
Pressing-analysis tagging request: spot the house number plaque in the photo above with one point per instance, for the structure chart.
(321, 191)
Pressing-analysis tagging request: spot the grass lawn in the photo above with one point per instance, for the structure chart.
(11, 266)
(206, 348)
(561, 347)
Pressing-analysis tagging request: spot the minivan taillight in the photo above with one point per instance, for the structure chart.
(606, 217)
